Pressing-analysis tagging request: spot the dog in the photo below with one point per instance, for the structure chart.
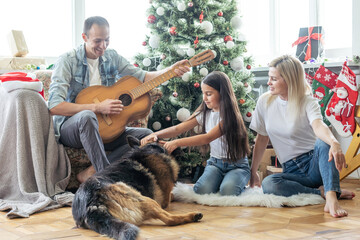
(116, 200)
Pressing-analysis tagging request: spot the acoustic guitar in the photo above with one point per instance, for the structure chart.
(133, 95)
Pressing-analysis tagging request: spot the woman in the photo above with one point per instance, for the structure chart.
(310, 155)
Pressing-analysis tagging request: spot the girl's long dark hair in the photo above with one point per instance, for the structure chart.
(233, 127)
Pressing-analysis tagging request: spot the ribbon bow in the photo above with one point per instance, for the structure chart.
(315, 36)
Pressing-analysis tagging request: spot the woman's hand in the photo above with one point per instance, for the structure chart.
(336, 153)
(254, 180)
(149, 139)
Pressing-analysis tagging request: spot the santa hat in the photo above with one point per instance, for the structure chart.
(21, 80)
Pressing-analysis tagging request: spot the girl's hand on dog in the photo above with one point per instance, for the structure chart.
(149, 139)
(171, 146)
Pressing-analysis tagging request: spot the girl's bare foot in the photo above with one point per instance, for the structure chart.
(85, 174)
(332, 205)
(346, 194)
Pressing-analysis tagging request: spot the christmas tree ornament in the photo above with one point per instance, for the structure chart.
(160, 67)
(227, 38)
(180, 52)
(201, 17)
(136, 65)
(196, 85)
(237, 64)
(156, 125)
(207, 27)
(181, 7)
(144, 43)
(242, 101)
(160, 11)
(247, 117)
(168, 118)
(190, 52)
(198, 129)
(236, 22)
(341, 108)
(183, 114)
(151, 19)
(246, 84)
(163, 56)
(204, 71)
(182, 21)
(214, 52)
(186, 77)
(172, 31)
(324, 80)
(220, 14)
(248, 67)
(248, 89)
(230, 44)
(190, 4)
(146, 62)
(175, 94)
(196, 41)
(154, 41)
(225, 62)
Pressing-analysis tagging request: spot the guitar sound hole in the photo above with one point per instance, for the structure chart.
(125, 99)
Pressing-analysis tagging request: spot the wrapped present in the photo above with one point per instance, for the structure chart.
(309, 44)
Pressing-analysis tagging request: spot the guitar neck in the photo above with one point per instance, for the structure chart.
(153, 83)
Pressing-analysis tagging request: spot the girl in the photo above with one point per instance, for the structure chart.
(310, 155)
(227, 171)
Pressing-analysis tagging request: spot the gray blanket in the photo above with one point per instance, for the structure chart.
(34, 169)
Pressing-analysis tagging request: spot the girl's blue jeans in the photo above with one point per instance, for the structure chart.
(305, 174)
(224, 177)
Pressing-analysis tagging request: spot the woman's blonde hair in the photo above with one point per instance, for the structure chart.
(292, 71)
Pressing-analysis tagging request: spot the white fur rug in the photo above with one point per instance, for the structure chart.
(250, 197)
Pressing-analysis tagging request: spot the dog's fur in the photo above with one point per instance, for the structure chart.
(128, 192)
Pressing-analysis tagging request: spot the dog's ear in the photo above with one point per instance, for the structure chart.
(133, 141)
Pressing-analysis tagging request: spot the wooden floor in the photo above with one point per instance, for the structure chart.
(218, 223)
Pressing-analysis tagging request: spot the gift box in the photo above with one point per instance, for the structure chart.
(309, 44)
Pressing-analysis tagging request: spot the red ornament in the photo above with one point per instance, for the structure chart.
(144, 43)
(225, 62)
(196, 85)
(136, 65)
(190, 4)
(151, 19)
(167, 118)
(175, 94)
(248, 67)
(196, 42)
(172, 31)
(201, 17)
(248, 114)
(242, 101)
(220, 14)
(227, 38)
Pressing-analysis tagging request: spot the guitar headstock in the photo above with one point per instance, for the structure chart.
(201, 58)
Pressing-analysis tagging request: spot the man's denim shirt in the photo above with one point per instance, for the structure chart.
(71, 75)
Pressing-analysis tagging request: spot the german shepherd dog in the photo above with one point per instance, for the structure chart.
(135, 188)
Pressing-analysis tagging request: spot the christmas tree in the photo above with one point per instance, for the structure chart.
(179, 30)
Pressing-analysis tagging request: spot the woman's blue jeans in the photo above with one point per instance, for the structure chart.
(224, 177)
(305, 174)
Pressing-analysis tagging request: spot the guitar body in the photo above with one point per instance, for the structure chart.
(111, 126)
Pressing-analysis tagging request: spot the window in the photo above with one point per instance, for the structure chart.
(46, 25)
(272, 26)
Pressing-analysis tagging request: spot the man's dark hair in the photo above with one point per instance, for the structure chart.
(94, 20)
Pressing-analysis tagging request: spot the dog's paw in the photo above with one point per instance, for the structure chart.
(198, 217)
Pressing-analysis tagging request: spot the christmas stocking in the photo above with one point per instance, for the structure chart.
(324, 81)
(17, 80)
(341, 108)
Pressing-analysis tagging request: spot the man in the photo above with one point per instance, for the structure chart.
(91, 64)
